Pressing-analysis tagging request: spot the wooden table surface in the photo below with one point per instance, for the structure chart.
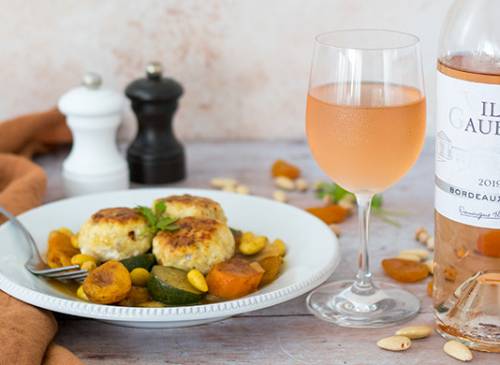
(286, 333)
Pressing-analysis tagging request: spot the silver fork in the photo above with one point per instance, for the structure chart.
(36, 265)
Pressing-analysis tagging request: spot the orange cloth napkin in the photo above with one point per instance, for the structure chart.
(22, 183)
(26, 332)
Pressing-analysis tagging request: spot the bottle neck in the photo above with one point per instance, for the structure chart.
(470, 37)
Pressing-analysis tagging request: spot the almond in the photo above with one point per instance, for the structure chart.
(284, 183)
(222, 182)
(408, 256)
(421, 235)
(422, 254)
(280, 195)
(430, 243)
(430, 265)
(242, 189)
(458, 350)
(301, 185)
(395, 343)
(415, 332)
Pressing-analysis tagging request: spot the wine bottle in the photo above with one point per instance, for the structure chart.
(466, 291)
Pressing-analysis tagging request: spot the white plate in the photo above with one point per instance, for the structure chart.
(312, 256)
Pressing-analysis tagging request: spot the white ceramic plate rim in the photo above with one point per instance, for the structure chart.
(171, 314)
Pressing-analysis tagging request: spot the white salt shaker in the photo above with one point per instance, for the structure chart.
(93, 114)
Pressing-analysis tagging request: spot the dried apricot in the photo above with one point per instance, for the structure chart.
(283, 168)
(330, 214)
(109, 283)
(488, 243)
(136, 296)
(60, 250)
(405, 271)
(461, 252)
(430, 288)
(450, 273)
(272, 266)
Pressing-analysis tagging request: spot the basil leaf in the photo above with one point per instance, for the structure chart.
(155, 221)
(148, 214)
(170, 228)
(160, 207)
(165, 222)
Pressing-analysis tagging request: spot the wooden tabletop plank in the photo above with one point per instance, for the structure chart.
(296, 339)
(286, 333)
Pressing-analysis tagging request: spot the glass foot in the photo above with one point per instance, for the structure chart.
(347, 305)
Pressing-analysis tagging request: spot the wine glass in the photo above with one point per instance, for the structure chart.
(366, 114)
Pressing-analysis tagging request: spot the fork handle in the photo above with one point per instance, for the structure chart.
(23, 229)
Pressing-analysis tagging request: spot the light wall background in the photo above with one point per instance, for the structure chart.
(244, 64)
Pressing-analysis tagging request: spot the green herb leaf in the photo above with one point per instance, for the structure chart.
(380, 214)
(160, 207)
(155, 220)
(394, 213)
(333, 191)
(324, 189)
(377, 201)
(148, 214)
(172, 227)
(337, 193)
(165, 222)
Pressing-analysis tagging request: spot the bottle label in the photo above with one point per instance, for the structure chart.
(468, 152)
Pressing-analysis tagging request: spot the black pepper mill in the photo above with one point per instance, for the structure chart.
(155, 156)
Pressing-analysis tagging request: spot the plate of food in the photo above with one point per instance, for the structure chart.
(168, 257)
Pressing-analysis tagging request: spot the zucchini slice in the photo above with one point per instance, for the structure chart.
(171, 286)
(146, 261)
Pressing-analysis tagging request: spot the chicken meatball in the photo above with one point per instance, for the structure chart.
(199, 243)
(115, 234)
(180, 206)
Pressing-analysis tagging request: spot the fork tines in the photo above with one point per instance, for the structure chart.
(72, 272)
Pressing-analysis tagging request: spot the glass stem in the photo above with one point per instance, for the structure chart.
(364, 284)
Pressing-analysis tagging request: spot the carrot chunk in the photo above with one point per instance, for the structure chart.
(233, 279)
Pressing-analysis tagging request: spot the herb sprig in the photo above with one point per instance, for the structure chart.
(335, 193)
(156, 219)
